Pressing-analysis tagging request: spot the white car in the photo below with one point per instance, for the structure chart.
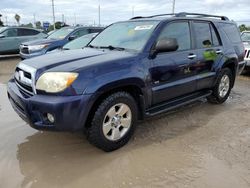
(245, 36)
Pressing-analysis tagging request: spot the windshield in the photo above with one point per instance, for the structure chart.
(79, 42)
(2, 29)
(61, 33)
(127, 35)
(245, 36)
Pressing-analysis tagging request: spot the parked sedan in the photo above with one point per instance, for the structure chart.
(12, 37)
(56, 40)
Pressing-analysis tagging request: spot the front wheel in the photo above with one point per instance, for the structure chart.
(223, 87)
(114, 122)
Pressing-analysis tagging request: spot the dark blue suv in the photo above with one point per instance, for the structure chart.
(131, 71)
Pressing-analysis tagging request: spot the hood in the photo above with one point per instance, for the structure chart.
(41, 41)
(74, 60)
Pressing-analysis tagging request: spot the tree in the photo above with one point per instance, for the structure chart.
(1, 23)
(243, 27)
(38, 25)
(17, 18)
(30, 25)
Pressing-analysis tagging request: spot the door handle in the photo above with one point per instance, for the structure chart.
(218, 51)
(192, 56)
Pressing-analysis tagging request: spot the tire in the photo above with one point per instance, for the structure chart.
(107, 131)
(216, 97)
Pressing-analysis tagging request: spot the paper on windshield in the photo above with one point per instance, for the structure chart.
(143, 27)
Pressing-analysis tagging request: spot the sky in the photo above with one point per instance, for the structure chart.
(85, 12)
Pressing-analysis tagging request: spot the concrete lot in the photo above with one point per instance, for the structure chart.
(200, 145)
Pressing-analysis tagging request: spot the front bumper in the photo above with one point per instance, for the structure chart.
(241, 66)
(32, 54)
(70, 112)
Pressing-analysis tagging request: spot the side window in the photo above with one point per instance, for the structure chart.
(203, 35)
(232, 32)
(10, 33)
(26, 32)
(180, 31)
(95, 30)
(215, 40)
(80, 33)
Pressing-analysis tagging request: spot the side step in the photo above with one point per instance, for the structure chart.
(178, 102)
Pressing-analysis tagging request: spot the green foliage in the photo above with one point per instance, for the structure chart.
(17, 18)
(38, 25)
(1, 23)
(243, 27)
(30, 25)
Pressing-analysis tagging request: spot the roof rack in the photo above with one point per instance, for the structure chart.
(184, 14)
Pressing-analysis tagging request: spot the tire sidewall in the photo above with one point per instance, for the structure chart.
(97, 123)
(223, 72)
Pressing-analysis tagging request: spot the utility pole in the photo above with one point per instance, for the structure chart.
(99, 13)
(34, 17)
(173, 10)
(6, 20)
(133, 11)
(62, 18)
(75, 18)
(53, 12)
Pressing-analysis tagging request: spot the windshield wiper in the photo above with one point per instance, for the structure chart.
(110, 47)
(91, 46)
(65, 49)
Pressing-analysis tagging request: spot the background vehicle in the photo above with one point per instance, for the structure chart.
(56, 40)
(245, 36)
(78, 43)
(132, 70)
(12, 37)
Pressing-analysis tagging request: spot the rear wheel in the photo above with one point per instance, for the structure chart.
(223, 87)
(114, 122)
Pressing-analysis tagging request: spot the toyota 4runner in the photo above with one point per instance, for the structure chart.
(131, 71)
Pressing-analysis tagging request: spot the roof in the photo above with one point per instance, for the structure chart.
(182, 15)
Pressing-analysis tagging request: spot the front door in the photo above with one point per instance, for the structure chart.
(171, 73)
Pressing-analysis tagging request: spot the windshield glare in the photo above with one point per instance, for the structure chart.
(128, 35)
(2, 29)
(78, 43)
(245, 36)
(61, 33)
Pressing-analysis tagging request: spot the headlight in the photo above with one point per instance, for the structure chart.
(37, 47)
(54, 82)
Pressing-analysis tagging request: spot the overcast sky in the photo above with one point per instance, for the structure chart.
(86, 11)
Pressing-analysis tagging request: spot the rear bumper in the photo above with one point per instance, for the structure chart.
(70, 112)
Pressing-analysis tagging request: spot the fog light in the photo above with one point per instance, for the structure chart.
(50, 118)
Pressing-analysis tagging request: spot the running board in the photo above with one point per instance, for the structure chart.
(170, 105)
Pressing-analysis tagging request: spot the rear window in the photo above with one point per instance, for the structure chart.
(26, 32)
(232, 32)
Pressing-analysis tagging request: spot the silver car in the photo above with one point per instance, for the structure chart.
(12, 37)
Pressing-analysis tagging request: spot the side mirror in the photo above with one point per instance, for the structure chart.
(72, 37)
(2, 36)
(166, 45)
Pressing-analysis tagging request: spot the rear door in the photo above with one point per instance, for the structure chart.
(170, 73)
(209, 51)
(9, 43)
(26, 35)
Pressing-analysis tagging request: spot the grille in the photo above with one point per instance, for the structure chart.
(24, 49)
(247, 53)
(23, 80)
